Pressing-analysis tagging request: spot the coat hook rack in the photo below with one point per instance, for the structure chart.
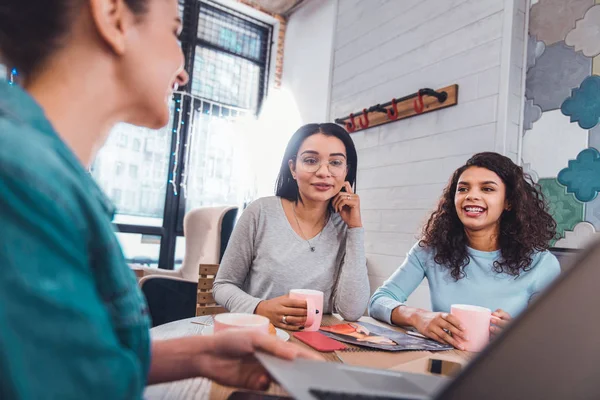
(423, 101)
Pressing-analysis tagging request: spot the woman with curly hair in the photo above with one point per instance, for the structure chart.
(486, 244)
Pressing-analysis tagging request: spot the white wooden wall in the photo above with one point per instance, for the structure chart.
(390, 48)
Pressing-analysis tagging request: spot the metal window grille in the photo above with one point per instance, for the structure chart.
(227, 54)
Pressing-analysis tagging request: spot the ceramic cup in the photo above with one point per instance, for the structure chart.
(476, 322)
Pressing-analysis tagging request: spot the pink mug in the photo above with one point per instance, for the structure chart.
(314, 307)
(241, 321)
(476, 323)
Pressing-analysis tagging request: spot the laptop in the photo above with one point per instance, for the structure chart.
(551, 351)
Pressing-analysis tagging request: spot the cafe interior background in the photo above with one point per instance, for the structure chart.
(521, 78)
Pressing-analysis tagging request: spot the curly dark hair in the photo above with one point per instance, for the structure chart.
(525, 228)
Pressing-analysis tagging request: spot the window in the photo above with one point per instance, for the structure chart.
(149, 148)
(118, 166)
(122, 140)
(116, 196)
(137, 144)
(159, 174)
(133, 171)
(153, 177)
(230, 58)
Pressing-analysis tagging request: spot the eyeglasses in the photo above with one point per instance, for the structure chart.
(312, 165)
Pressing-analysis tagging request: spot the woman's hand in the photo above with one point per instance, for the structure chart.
(347, 204)
(500, 320)
(441, 327)
(284, 312)
(228, 358)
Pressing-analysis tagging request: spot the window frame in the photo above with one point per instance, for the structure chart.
(175, 207)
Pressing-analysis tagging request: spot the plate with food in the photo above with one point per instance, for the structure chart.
(280, 333)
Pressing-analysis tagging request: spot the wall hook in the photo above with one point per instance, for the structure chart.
(418, 103)
(364, 117)
(392, 112)
(400, 108)
(351, 126)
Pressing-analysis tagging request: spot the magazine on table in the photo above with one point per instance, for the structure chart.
(377, 337)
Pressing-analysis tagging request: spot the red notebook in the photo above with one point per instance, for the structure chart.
(319, 342)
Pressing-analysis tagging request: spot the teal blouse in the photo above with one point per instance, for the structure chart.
(73, 323)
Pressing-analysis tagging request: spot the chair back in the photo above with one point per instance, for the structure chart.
(205, 303)
(207, 231)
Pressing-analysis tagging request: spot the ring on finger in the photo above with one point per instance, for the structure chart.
(284, 319)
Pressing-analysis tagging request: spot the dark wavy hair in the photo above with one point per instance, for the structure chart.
(525, 228)
(286, 186)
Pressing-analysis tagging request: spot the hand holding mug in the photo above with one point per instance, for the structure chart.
(284, 312)
(441, 327)
(500, 320)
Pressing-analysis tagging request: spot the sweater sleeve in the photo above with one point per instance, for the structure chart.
(398, 287)
(352, 290)
(236, 263)
(547, 270)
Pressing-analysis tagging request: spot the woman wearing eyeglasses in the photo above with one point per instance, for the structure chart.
(308, 236)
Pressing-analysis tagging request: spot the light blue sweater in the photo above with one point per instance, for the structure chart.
(482, 286)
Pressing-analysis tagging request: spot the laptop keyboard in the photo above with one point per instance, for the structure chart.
(329, 395)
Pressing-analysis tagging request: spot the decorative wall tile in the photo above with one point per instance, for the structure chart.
(592, 213)
(586, 35)
(532, 114)
(552, 20)
(535, 48)
(594, 136)
(551, 143)
(563, 206)
(596, 61)
(529, 171)
(584, 104)
(558, 70)
(582, 176)
(596, 65)
(579, 237)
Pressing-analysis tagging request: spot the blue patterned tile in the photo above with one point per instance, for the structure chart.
(586, 35)
(532, 114)
(552, 20)
(558, 70)
(592, 213)
(563, 206)
(594, 138)
(535, 48)
(583, 106)
(582, 176)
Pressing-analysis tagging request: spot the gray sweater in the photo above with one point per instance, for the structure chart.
(266, 258)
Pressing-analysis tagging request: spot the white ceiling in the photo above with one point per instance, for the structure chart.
(277, 6)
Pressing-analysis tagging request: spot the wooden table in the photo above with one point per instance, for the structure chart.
(201, 388)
